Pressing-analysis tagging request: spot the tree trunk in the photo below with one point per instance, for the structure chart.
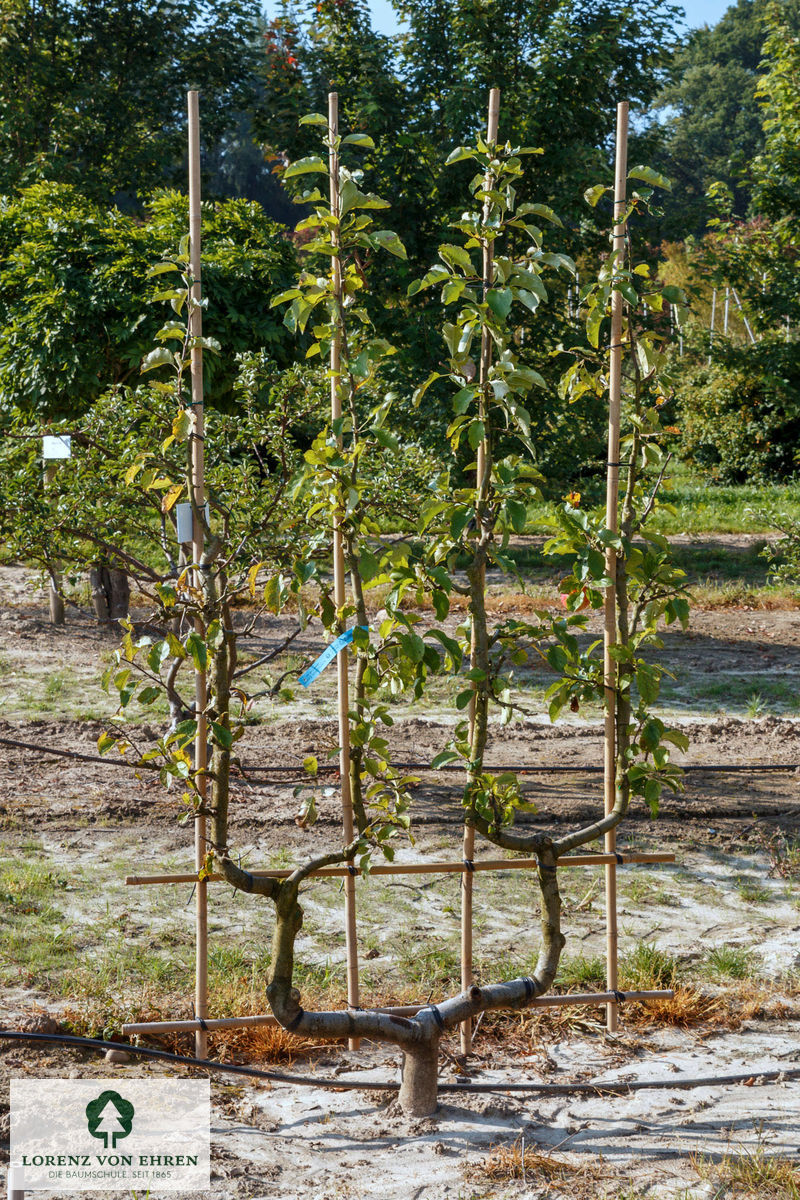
(419, 1077)
(56, 605)
(99, 595)
(119, 594)
(111, 593)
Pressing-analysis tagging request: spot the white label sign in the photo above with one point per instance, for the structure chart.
(56, 447)
(142, 1135)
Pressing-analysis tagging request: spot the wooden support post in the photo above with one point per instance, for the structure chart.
(55, 601)
(567, 1000)
(339, 586)
(711, 328)
(469, 832)
(198, 547)
(743, 315)
(612, 522)
(423, 868)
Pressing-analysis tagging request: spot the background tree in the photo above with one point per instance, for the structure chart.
(709, 118)
(74, 286)
(94, 93)
(740, 412)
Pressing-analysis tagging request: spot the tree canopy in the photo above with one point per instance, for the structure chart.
(74, 292)
(94, 93)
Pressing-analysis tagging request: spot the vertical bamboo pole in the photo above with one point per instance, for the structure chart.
(726, 311)
(339, 584)
(55, 599)
(469, 832)
(198, 546)
(711, 329)
(612, 522)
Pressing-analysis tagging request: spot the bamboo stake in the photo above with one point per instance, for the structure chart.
(426, 868)
(339, 593)
(742, 314)
(55, 599)
(612, 522)
(711, 330)
(198, 546)
(480, 468)
(567, 1000)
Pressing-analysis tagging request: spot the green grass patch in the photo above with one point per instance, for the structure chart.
(730, 962)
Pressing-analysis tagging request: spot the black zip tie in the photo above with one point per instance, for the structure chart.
(199, 1020)
(295, 1021)
(437, 1016)
(619, 997)
(351, 869)
(530, 987)
(548, 867)
(620, 859)
(469, 864)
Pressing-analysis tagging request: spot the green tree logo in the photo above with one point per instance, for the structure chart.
(109, 1117)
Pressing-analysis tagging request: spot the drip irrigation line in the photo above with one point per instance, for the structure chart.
(615, 1087)
(724, 768)
(332, 768)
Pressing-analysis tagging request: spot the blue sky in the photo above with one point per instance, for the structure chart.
(698, 12)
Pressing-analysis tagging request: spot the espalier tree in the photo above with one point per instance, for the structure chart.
(345, 484)
(475, 522)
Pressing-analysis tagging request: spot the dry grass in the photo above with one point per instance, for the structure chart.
(689, 1008)
(753, 1175)
(518, 1161)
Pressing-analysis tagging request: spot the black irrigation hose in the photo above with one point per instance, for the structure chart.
(621, 1087)
(542, 770)
(724, 768)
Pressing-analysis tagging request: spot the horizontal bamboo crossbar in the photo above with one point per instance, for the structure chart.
(432, 868)
(400, 1010)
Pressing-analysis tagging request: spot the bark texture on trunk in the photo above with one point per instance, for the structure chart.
(111, 593)
(419, 1077)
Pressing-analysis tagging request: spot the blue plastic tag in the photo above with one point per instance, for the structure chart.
(327, 656)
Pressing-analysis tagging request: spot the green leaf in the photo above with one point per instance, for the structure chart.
(442, 759)
(359, 139)
(306, 166)
(197, 649)
(457, 256)
(157, 655)
(648, 175)
(592, 195)
(222, 735)
(314, 119)
(463, 698)
(517, 514)
(387, 240)
(105, 742)
(476, 433)
(500, 301)
(160, 357)
(460, 154)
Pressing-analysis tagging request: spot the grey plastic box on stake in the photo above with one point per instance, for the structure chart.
(185, 521)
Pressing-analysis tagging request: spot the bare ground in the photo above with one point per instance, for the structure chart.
(91, 823)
